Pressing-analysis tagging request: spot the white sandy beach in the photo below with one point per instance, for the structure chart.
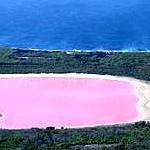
(141, 88)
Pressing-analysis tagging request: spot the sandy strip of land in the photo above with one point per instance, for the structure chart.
(141, 88)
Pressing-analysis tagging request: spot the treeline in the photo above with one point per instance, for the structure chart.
(118, 137)
(132, 64)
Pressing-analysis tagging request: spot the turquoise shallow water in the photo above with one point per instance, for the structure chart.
(72, 24)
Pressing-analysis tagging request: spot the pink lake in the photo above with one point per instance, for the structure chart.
(65, 102)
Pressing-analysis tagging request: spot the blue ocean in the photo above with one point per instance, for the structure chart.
(75, 24)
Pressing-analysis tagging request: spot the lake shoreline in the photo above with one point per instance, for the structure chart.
(141, 90)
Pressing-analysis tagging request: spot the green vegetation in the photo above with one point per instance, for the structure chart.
(5, 55)
(135, 64)
(118, 137)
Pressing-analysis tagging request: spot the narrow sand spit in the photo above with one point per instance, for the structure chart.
(141, 88)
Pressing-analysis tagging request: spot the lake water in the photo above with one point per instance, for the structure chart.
(75, 24)
(65, 102)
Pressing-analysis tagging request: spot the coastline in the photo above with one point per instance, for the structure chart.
(141, 89)
(130, 49)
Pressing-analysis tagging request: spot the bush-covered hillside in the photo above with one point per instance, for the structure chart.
(118, 137)
(133, 64)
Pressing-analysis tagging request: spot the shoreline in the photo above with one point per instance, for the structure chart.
(141, 90)
(81, 50)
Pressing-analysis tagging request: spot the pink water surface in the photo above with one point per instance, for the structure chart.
(67, 102)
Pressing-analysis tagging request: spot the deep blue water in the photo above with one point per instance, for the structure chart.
(75, 24)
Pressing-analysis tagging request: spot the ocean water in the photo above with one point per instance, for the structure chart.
(75, 24)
